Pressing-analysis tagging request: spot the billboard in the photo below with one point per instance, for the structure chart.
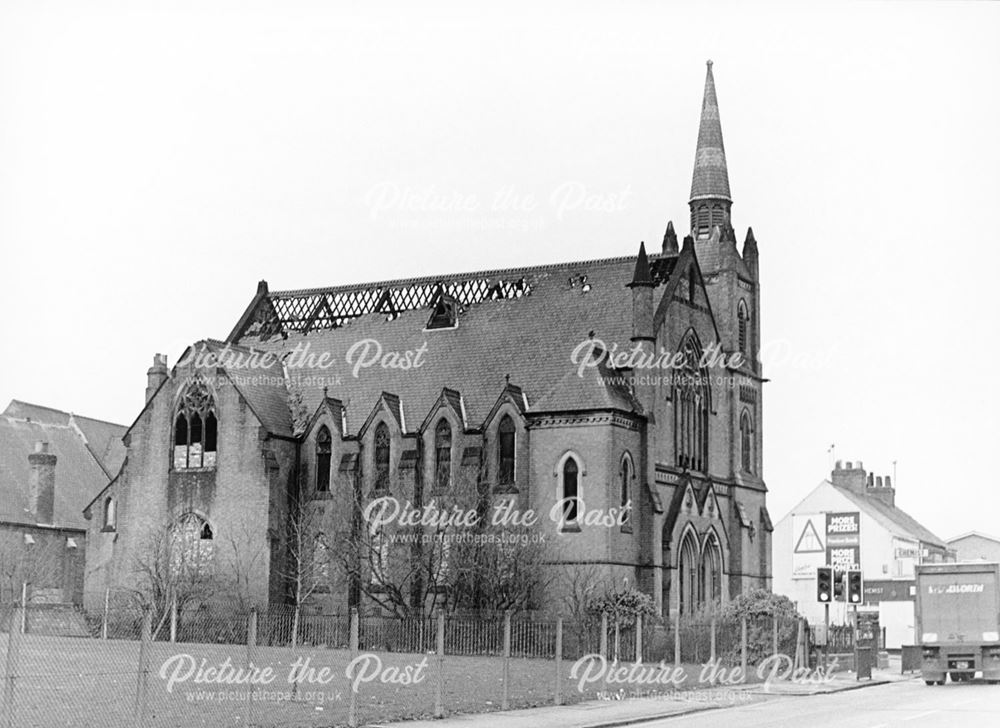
(843, 540)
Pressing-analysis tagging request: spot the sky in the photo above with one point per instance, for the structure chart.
(157, 160)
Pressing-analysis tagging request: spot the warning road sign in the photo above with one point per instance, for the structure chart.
(809, 541)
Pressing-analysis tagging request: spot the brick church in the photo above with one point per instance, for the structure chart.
(540, 389)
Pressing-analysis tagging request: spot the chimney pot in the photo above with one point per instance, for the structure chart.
(156, 375)
(850, 465)
(888, 481)
(878, 482)
(42, 483)
(840, 465)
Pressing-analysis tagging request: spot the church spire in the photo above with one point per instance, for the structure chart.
(710, 201)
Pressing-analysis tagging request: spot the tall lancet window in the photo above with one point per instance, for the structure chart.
(506, 434)
(746, 442)
(691, 399)
(324, 448)
(382, 452)
(195, 428)
(742, 318)
(442, 454)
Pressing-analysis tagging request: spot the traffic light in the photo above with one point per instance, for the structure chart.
(838, 585)
(855, 588)
(824, 584)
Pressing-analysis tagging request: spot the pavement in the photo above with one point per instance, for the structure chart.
(627, 709)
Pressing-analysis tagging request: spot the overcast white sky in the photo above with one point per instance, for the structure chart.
(156, 161)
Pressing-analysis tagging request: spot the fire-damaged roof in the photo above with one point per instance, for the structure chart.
(515, 326)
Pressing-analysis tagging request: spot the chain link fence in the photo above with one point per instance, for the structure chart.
(232, 667)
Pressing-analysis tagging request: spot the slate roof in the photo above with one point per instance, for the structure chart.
(893, 519)
(265, 392)
(104, 439)
(530, 338)
(79, 474)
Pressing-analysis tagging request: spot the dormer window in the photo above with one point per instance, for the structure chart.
(445, 313)
(195, 429)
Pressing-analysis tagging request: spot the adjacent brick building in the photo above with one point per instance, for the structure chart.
(525, 386)
(51, 464)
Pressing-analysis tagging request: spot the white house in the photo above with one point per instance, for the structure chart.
(851, 521)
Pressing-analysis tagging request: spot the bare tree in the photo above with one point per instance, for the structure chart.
(579, 585)
(173, 566)
(306, 568)
(453, 559)
(247, 552)
(31, 562)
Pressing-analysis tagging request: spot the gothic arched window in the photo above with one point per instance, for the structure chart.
(382, 452)
(569, 492)
(625, 486)
(442, 454)
(191, 545)
(711, 568)
(743, 318)
(323, 454)
(110, 517)
(746, 442)
(506, 438)
(321, 560)
(691, 396)
(687, 575)
(195, 428)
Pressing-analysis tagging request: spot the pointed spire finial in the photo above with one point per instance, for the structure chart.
(710, 196)
(670, 240)
(750, 239)
(642, 276)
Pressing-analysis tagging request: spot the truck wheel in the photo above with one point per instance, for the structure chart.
(928, 682)
(940, 682)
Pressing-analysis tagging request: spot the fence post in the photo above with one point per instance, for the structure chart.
(774, 635)
(352, 707)
(618, 635)
(439, 694)
(251, 653)
(10, 670)
(559, 650)
(712, 639)
(677, 636)
(743, 644)
(24, 607)
(604, 635)
(505, 698)
(173, 619)
(799, 647)
(638, 639)
(142, 684)
(104, 619)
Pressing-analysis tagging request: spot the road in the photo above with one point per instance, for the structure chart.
(909, 704)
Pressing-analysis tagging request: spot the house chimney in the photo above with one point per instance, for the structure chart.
(849, 475)
(883, 490)
(156, 375)
(42, 483)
